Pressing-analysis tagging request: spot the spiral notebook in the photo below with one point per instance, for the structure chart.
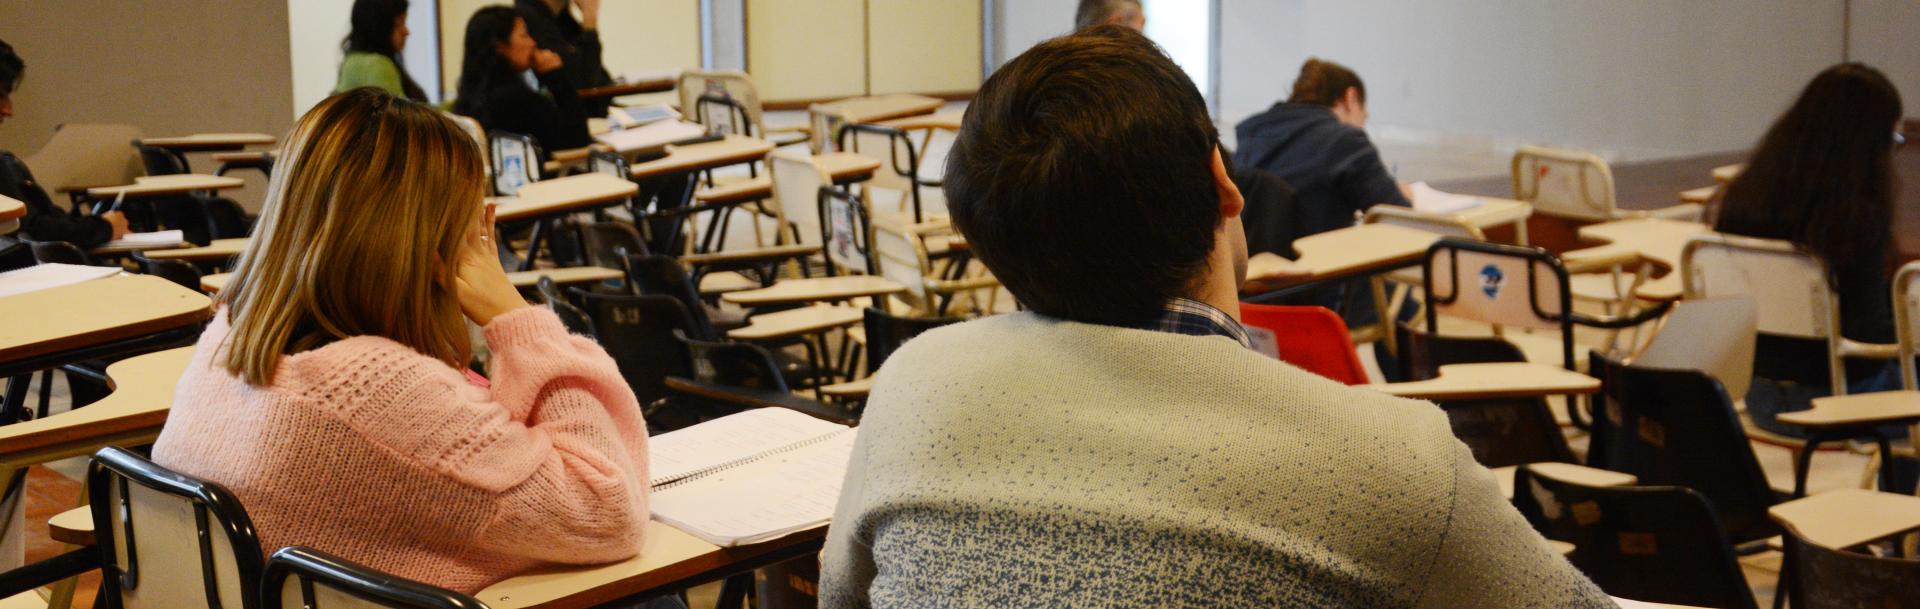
(749, 477)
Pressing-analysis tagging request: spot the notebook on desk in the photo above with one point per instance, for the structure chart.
(749, 477)
(637, 116)
(50, 275)
(653, 135)
(134, 242)
(1432, 200)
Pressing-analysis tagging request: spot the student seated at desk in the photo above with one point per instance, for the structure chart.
(1823, 177)
(552, 26)
(493, 92)
(1120, 444)
(373, 50)
(44, 220)
(330, 392)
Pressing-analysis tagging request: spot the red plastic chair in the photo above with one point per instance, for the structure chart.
(1313, 338)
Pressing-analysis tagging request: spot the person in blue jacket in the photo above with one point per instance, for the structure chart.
(1316, 141)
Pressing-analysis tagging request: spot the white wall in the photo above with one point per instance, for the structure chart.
(1631, 78)
(315, 29)
(1884, 36)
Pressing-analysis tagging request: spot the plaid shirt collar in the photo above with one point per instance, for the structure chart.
(1194, 318)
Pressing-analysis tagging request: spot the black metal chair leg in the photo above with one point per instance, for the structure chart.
(46, 393)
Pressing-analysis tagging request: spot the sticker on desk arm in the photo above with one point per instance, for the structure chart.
(1264, 341)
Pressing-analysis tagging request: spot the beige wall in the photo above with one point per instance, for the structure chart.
(807, 50)
(923, 46)
(169, 67)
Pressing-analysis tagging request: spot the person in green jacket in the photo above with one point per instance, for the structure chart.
(373, 50)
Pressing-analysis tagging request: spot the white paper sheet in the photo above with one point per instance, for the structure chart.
(782, 494)
(1428, 199)
(43, 276)
(675, 454)
(648, 136)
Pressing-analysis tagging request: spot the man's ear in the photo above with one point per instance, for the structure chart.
(1230, 200)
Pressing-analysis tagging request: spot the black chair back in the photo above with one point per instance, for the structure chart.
(742, 365)
(718, 103)
(1825, 578)
(885, 333)
(576, 320)
(663, 275)
(1501, 432)
(171, 270)
(1657, 544)
(58, 252)
(845, 234)
(304, 578)
(638, 331)
(160, 161)
(226, 219)
(602, 243)
(1677, 427)
(169, 538)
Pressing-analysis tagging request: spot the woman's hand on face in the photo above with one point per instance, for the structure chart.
(545, 61)
(481, 284)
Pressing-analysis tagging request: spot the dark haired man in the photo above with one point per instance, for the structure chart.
(1119, 445)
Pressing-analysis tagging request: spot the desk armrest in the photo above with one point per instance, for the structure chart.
(1856, 410)
(750, 256)
(756, 398)
(1596, 259)
(1685, 212)
(1849, 348)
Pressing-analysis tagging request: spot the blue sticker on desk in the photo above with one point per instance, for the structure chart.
(1491, 279)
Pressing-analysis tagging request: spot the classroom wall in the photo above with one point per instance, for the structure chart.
(1883, 35)
(170, 67)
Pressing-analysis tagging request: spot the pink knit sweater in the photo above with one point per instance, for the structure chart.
(372, 451)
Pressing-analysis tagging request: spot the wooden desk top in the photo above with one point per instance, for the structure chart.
(216, 251)
(732, 150)
(1726, 173)
(877, 108)
(161, 186)
(858, 388)
(11, 209)
(95, 312)
(142, 393)
(619, 89)
(1497, 380)
(520, 279)
(797, 322)
(1494, 211)
(670, 555)
(1577, 474)
(73, 526)
(949, 121)
(1858, 410)
(1701, 195)
(818, 289)
(1844, 518)
(561, 195)
(1656, 240)
(564, 276)
(844, 167)
(208, 142)
(1340, 253)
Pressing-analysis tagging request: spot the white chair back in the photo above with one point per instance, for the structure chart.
(1906, 311)
(1713, 336)
(1564, 183)
(734, 85)
(516, 163)
(169, 540)
(796, 189)
(1497, 288)
(848, 233)
(1788, 286)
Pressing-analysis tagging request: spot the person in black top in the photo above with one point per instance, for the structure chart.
(1316, 142)
(577, 41)
(1823, 178)
(44, 221)
(492, 91)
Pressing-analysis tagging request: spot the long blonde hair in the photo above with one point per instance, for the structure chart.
(366, 215)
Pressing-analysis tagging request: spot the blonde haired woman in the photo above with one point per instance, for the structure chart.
(329, 392)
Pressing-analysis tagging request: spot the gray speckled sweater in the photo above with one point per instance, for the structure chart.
(1022, 461)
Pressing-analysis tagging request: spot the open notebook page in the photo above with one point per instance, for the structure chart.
(675, 454)
(772, 497)
(51, 275)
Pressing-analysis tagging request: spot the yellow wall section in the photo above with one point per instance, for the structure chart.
(637, 35)
(807, 50)
(923, 46)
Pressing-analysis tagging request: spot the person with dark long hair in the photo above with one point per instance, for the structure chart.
(552, 25)
(373, 50)
(492, 91)
(1823, 178)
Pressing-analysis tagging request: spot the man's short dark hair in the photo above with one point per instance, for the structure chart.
(1082, 177)
(11, 68)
